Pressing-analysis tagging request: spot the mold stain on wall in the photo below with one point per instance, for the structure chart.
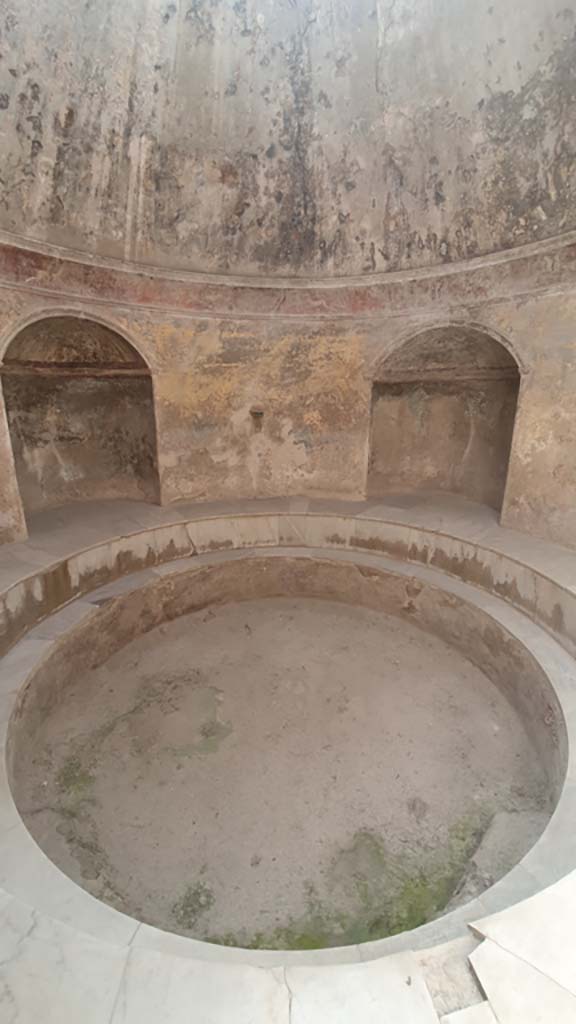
(289, 139)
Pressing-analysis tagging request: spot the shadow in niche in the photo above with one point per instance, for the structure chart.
(80, 410)
(442, 418)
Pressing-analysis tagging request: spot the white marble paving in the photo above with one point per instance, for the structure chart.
(28, 874)
(481, 1013)
(517, 992)
(51, 974)
(158, 989)
(389, 991)
(541, 931)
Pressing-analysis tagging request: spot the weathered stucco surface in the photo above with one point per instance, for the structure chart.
(80, 414)
(275, 137)
(541, 490)
(12, 524)
(443, 408)
(81, 438)
(437, 435)
(251, 400)
(260, 409)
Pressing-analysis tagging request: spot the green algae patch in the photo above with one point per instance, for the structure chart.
(73, 778)
(209, 730)
(195, 901)
(373, 893)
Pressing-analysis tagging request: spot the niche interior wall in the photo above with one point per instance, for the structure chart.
(80, 413)
(443, 410)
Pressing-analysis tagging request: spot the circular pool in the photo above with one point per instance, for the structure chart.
(287, 752)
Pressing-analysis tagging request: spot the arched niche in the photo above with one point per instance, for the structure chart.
(80, 412)
(443, 409)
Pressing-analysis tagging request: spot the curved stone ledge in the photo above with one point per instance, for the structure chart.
(533, 576)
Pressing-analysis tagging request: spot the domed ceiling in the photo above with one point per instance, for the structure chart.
(288, 138)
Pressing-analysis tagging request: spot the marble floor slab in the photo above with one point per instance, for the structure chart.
(517, 992)
(481, 1013)
(541, 931)
(53, 974)
(157, 989)
(389, 991)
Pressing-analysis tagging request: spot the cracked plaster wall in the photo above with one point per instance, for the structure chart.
(288, 137)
